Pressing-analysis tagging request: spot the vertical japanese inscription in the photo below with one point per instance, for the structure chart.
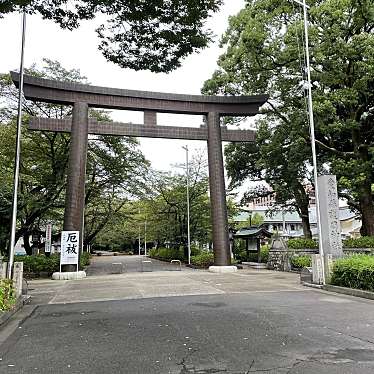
(69, 247)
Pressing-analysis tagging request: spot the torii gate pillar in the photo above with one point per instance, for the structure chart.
(220, 229)
(76, 176)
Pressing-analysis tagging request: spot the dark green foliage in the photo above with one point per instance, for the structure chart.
(115, 166)
(43, 264)
(85, 259)
(38, 264)
(300, 243)
(264, 54)
(264, 253)
(354, 272)
(301, 261)
(252, 256)
(204, 259)
(362, 242)
(7, 295)
(138, 34)
(166, 254)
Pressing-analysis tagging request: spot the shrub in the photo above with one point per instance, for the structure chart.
(264, 253)
(195, 250)
(300, 262)
(41, 263)
(300, 243)
(166, 254)
(7, 294)
(355, 272)
(84, 259)
(362, 242)
(253, 257)
(204, 259)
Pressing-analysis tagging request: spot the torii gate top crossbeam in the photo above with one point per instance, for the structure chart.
(68, 93)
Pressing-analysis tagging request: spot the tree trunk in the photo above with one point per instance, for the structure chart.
(302, 202)
(26, 244)
(367, 212)
(306, 224)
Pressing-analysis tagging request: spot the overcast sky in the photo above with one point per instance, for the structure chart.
(78, 49)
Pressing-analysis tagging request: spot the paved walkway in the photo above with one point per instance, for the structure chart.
(191, 321)
(132, 284)
(102, 265)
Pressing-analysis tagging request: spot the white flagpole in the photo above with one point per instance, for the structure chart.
(17, 156)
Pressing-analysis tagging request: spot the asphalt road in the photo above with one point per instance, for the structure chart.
(299, 331)
(102, 265)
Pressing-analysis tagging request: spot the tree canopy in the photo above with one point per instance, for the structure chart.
(264, 54)
(116, 168)
(138, 34)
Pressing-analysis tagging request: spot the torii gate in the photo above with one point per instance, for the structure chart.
(82, 96)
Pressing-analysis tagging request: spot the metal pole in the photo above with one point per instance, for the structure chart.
(139, 242)
(145, 238)
(17, 155)
(139, 246)
(188, 206)
(311, 124)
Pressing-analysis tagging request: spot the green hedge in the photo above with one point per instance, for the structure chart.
(166, 254)
(362, 242)
(41, 263)
(300, 243)
(204, 259)
(7, 294)
(301, 261)
(253, 257)
(354, 272)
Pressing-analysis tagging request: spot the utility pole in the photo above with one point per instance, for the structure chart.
(312, 136)
(188, 206)
(145, 237)
(17, 156)
(139, 246)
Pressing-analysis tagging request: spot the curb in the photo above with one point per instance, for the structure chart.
(349, 291)
(5, 316)
(312, 285)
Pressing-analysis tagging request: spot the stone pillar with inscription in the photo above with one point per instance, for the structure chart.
(329, 211)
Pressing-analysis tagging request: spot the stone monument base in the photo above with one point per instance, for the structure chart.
(255, 265)
(223, 269)
(69, 275)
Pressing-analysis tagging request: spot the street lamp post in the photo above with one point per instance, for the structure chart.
(145, 237)
(17, 156)
(312, 136)
(188, 207)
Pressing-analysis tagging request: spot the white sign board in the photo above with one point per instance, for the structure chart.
(48, 238)
(69, 248)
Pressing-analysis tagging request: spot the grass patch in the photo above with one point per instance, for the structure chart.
(7, 295)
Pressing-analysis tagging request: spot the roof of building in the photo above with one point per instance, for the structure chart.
(289, 217)
(252, 232)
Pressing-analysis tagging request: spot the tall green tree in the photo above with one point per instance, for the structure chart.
(138, 34)
(264, 54)
(168, 205)
(115, 167)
